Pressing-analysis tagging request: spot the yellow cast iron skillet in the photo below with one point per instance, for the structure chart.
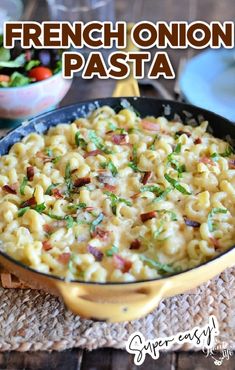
(115, 302)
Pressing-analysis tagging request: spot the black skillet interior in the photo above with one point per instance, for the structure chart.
(145, 106)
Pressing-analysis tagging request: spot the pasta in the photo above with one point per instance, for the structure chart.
(114, 197)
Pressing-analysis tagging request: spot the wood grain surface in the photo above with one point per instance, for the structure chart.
(106, 359)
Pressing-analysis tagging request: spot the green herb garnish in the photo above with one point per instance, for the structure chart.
(68, 179)
(96, 222)
(153, 143)
(74, 207)
(98, 142)
(215, 157)
(80, 142)
(39, 207)
(23, 185)
(228, 151)
(115, 200)
(110, 252)
(112, 126)
(50, 188)
(22, 211)
(176, 185)
(110, 165)
(152, 188)
(213, 212)
(161, 267)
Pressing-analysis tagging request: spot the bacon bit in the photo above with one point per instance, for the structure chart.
(30, 173)
(148, 216)
(146, 177)
(231, 164)
(82, 181)
(198, 140)
(119, 139)
(93, 153)
(181, 132)
(95, 252)
(64, 258)
(215, 242)
(150, 126)
(101, 234)
(4, 78)
(111, 188)
(46, 245)
(89, 209)
(9, 189)
(56, 193)
(136, 195)
(44, 157)
(135, 244)
(28, 203)
(191, 223)
(53, 226)
(207, 160)
(121, 264)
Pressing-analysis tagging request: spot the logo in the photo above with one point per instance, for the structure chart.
(203, 338)
(219, 353)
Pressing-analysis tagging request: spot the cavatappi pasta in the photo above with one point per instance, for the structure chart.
(113, 197)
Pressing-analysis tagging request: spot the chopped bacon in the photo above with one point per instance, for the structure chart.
(207, 160)
(150, 126)
(146, 177)
(93, 153)
(101, 234)
(136, 195)
(56, 193)
(44, 157)
(231, 164)
(181, 132)
(82, 181)
(135, 244)
(191, 223)
(30, 173)
(95, 252)
(119, 139)
(148, 216)
(111, 188)
(53, 226)
(64, 258)
(122, 264)
(9, 189)
(46, 245)
(215, 242)
(89, 209)
(197, 141)
(28, 203)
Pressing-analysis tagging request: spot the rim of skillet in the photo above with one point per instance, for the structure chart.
(100, 100)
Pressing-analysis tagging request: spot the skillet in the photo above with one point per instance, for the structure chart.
(115, 302)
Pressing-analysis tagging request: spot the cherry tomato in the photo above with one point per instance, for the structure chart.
(40, 73)
(4, 78)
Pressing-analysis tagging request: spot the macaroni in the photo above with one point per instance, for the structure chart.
(113, 197)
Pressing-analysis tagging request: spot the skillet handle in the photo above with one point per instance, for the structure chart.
(111, 305)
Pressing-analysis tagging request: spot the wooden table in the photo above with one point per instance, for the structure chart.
(132, 10)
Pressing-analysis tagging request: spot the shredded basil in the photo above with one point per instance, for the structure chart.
(68, 179)
(22, 211)
(50, 188)
(213, 212)
(115, 200)
(161, 267)
(153, 143)
(215, 157)
(110, 252)
(74, 207)
(151, 188)
(80, 142)
(176, 185)
(23, 185)
(96, 222)
(228, 151)
(110, 165)
(162, 195)
(39, 207)
(98, 142)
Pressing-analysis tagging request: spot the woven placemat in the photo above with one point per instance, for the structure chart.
(34, 320)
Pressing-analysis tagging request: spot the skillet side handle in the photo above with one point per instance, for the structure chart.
(112, 307)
